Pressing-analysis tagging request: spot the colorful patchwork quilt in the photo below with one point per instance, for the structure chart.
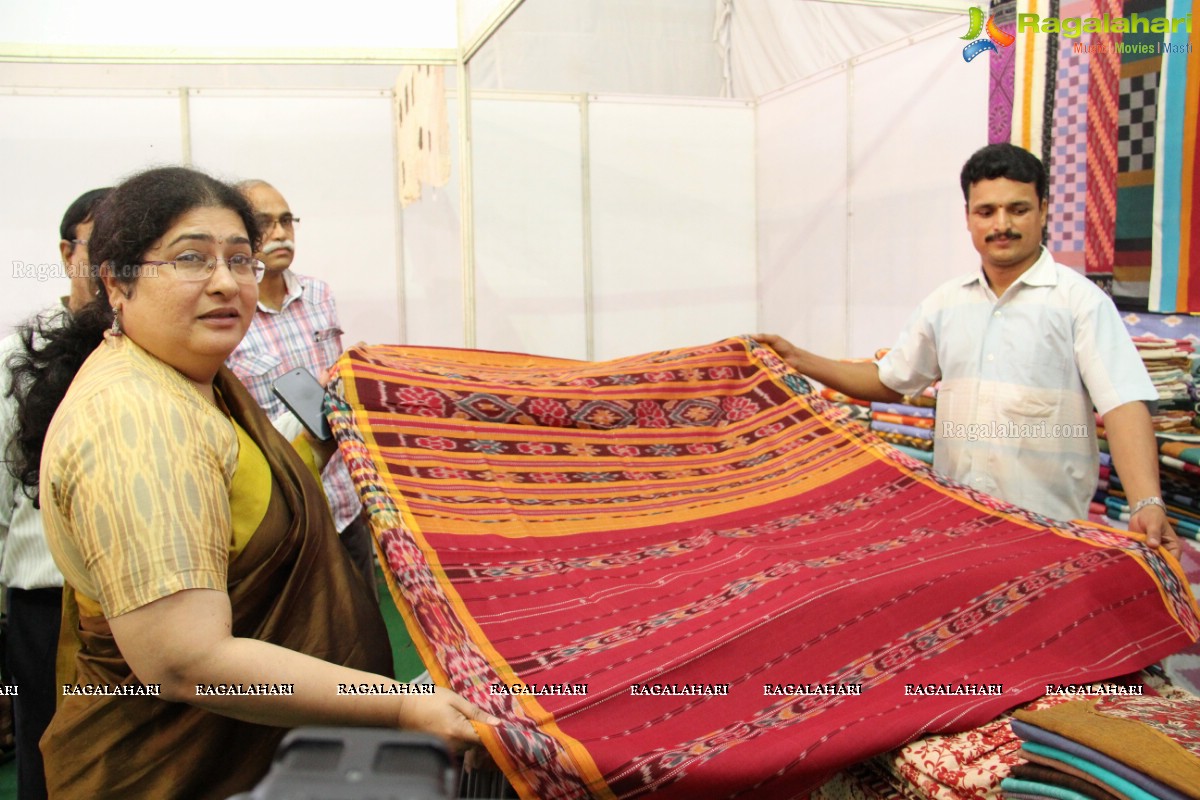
(682, 574)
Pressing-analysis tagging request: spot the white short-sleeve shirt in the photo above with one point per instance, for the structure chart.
(1020, 375)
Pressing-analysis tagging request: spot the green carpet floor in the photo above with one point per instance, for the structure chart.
(404, 652)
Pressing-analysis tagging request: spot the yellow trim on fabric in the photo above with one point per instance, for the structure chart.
(587, 519)
(584, 764)
(345, 371)
(656, 508)
(410, 624)
(1170, 560)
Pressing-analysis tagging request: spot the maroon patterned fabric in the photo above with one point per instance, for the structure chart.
(717, 587)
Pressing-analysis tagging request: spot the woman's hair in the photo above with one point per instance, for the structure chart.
(129, 221)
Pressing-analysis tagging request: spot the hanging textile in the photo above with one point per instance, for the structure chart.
(1033, 81)
(1068, 179)
(422, 130)
(1003, 68)
(1141, 62)
(1175, 271)
(1104, 71)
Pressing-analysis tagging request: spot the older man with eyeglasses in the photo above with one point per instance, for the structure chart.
(296, 325)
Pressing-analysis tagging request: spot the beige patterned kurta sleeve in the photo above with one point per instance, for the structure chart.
(135, 482)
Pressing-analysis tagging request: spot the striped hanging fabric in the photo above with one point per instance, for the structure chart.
(1104, 69)
(1175, 266)
(1068, 136)
(1033, 79)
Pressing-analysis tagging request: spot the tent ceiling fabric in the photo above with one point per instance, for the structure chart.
(778, 42)
(678, 47)
(658, 47)
(61, 26)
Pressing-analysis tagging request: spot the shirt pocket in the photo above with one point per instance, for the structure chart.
(326, 334)
(1031, 404)
(256, 367)
(1038, 378)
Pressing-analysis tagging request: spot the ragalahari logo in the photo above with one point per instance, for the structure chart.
(994, 35)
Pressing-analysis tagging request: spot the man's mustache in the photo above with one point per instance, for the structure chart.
(285, 244)
(991, 237)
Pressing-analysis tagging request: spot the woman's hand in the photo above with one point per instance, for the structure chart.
(444, 714)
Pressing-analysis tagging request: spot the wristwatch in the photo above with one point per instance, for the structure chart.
(1147, 501)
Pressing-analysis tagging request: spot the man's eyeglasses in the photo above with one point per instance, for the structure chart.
(266, 223)
(195, 267)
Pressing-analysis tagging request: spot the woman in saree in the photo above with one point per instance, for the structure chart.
(196, 542)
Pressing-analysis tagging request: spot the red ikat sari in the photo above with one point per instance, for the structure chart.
(683, 574)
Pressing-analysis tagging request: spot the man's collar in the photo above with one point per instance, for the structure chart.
(1040, 273)
(295, 290)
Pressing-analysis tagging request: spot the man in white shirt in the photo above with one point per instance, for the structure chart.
(1023, 347)
(33, 584)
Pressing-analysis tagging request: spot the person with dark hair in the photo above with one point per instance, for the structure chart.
(208, 605)
(33, 584)
(296, 325)
(1024, 348)
(1003, 161)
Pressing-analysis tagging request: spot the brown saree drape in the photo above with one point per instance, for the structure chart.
(293, 585)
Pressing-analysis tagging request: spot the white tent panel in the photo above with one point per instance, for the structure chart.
(433, 276)
(476, 15)
(529, 265)
(57, 146)
(917, 115)
(672, 224)
(616, 46)
(141, 76)
(802, 222)
(331, 157)
(231, 25)
(432, 248)
(775, 43)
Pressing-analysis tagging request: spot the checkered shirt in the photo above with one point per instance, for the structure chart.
(304, 332)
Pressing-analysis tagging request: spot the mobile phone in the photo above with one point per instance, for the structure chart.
(304, 396)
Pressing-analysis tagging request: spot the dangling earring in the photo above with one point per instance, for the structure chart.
(115, 330)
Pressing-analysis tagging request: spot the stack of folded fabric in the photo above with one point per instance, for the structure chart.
(1136, 748)
(906, 425)
(859, 410)
(1098, 509)
(1170, 366)
(1179, 476)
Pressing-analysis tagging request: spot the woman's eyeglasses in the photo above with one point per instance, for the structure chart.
(195, 267)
